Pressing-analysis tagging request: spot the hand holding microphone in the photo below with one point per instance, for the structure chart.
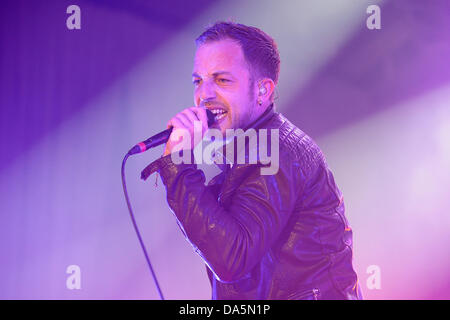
(184, 120)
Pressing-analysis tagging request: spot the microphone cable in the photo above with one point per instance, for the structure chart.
(136, 228)
(151, 142)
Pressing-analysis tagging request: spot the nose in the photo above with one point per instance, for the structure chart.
(205, 92)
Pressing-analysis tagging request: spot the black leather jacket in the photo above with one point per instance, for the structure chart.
(281, 236)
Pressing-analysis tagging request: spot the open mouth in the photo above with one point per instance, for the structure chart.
(219, 114)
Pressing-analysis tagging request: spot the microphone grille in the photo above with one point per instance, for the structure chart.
(211, 117)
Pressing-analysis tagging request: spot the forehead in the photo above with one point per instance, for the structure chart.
(224, 55)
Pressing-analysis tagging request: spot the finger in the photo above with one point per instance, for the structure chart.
(175, 123)
(170, 123)
(179, 120)
(190, 115)
(185, 119)
(201, 115)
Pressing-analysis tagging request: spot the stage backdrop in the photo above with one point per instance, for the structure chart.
(73, 101)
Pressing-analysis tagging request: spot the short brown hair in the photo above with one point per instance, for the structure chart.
(260, 50)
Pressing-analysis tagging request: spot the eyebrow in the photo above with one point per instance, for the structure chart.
(215, 74)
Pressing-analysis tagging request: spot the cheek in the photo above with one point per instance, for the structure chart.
(235, 103)
(196, 98)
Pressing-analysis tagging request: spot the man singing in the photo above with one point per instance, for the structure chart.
(262, 236)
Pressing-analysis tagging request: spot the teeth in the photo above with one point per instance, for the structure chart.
(220, 116)
(217, 111)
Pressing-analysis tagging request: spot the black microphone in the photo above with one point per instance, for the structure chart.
(162, 137)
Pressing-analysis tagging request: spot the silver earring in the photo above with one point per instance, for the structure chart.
(262, 90)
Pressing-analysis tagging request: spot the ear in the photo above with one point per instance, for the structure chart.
(265, 89)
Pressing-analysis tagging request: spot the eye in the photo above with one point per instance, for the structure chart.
(223, 80)
(196, 81)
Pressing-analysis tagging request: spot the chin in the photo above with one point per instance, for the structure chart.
(223, 130)
(223, 126)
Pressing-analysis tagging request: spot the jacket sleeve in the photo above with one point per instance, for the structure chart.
(230, 240)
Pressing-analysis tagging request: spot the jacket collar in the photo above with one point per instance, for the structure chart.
(259, 122)
(270, 111)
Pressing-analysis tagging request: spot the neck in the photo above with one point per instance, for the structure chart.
(259, 115)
